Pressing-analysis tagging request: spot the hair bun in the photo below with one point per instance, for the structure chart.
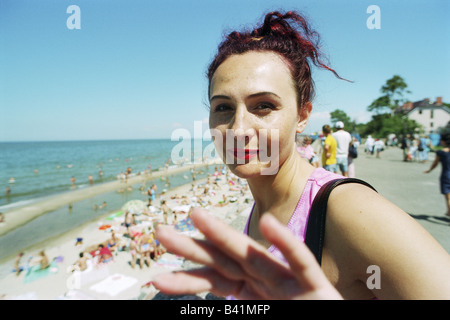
(287, 34)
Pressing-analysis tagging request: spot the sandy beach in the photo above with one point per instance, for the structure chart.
(403, 183)
(226, 197)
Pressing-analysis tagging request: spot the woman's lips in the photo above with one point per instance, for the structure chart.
(245, 154)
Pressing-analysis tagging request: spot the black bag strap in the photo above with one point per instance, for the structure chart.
(315, 230)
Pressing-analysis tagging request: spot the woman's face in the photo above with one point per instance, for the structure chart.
(253, 113)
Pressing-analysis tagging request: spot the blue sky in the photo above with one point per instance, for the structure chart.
(135, 69)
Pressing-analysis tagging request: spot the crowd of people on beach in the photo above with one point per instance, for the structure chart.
(131, 232)
(134, 232)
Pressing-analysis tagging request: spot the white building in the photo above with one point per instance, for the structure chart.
(431, 115)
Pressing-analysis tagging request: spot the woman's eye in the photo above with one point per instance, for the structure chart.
(265, 106)
(222, 108)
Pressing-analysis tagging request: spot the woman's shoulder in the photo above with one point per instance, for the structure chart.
(360, 218)
(320, 176)
(364, 213)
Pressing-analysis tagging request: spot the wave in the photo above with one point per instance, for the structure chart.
(17, 204)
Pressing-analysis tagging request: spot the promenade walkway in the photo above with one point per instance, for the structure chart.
(406, 185)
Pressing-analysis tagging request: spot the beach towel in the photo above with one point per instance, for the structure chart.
(115, 215)
(182, 208)
(35, 272)
(114, 284)
(185, 225)
(169, 263)
(92, 274)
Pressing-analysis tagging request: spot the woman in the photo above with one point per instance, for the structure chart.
(443, 156)
(260, 92)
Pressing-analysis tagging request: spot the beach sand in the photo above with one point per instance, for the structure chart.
(117, 279)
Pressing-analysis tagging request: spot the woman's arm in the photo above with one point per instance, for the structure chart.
(434, 164)
(364, 229)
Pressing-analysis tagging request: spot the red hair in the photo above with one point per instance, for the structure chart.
(287, 34)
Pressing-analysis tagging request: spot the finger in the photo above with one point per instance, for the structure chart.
(199, 251)
(196, 281)
(301, 260)
(251, 256)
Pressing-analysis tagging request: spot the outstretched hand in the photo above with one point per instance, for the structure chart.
(237, 265)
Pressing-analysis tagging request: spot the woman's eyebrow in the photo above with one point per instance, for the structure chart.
(219, 97)
(264, 93)
(254, 95)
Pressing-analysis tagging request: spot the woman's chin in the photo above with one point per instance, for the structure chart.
(252, 170)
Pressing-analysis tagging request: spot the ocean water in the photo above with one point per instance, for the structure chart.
(33, 171)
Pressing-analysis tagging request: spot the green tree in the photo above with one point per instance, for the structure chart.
(382, 125)
(394, 91)
(340, 115)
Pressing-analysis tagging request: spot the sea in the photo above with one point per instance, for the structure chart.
(34, 171)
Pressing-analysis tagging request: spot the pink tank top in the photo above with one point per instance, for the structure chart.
(299, 220)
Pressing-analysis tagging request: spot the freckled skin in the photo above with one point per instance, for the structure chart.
(242, 86)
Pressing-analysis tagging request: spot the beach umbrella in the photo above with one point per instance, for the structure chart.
(134, 206)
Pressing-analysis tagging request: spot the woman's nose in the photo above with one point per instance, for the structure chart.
(242, 127)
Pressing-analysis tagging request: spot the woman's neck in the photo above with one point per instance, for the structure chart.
(279, 193)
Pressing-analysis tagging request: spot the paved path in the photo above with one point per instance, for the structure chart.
(406, 185)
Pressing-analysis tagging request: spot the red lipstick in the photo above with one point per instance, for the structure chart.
(245, 154)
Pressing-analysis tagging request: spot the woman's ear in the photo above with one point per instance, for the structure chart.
(304, 113)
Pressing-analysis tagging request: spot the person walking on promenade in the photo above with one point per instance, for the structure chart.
(260, 87)
(379, 147)
(406, 142)
(413, 149)
(443, 156)
(343, 140)
(370, 142)
(329, 150)
(424, 148)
